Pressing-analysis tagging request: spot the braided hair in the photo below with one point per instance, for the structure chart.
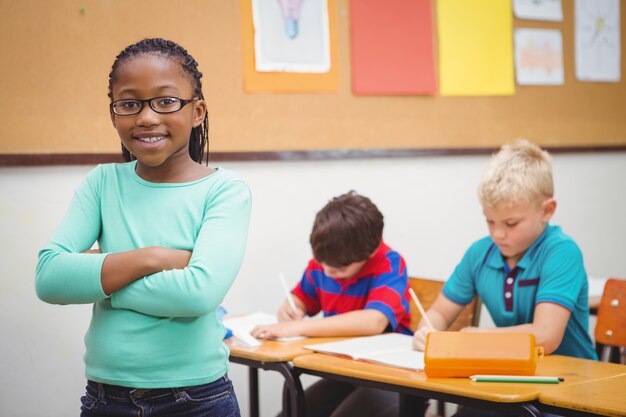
(199, 138)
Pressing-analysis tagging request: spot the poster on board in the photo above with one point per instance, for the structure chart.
(597, 40)
(291, 36)
(539, 57)
(550, 10)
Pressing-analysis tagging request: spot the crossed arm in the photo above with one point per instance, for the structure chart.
(123, 268)
(153, 280)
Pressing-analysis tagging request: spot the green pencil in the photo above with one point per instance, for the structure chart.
(517, 378)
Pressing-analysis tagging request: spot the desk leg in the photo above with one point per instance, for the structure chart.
(253, 391)
(286, 401)
(412, 399)
(293, 399)
(412, 406)
(296, 406)
(532, 411)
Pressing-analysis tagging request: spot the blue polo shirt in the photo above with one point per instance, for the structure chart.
(551, 271)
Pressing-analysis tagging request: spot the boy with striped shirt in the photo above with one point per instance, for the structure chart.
(360, 285)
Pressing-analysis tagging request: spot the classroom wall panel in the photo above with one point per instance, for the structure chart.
(55, 58)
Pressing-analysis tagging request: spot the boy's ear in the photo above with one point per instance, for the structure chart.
(199, 111)
(113, 119)
(548, 207)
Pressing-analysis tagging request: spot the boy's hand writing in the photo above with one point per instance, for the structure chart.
(419, 338)
(286, 313)
(273, 331)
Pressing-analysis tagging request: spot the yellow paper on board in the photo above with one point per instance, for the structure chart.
(475, 47)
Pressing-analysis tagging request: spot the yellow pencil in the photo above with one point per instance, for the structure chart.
(288, 293)
(421, 309)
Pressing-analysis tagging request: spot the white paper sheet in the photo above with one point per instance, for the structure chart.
(597, 40)
(408, 359)
(243, 325)
(392, 349)
(551, 10)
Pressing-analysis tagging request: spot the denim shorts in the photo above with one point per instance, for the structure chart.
(216, 399)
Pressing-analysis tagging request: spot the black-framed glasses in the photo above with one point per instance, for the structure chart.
(163, 105)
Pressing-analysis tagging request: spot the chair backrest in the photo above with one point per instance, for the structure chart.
(427, 291)
(611, 324)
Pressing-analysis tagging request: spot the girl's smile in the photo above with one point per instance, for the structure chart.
(152, 139)
(149, 141)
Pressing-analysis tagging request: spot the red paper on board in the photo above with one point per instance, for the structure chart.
(392, 47)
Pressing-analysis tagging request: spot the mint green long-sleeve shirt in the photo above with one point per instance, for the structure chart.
(161, 330)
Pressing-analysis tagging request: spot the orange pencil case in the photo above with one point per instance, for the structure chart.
(462, 354)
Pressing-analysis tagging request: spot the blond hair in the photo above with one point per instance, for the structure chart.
(520, 171)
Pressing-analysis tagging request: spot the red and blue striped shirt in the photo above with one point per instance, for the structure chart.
(382, 284)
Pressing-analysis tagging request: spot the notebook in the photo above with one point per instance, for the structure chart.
(241, 327)
(391, 349)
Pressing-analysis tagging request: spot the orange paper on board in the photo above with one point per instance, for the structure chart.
(392, 47)
(278, 82)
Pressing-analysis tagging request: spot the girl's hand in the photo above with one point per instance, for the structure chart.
(419, 338)
(168, 258)
(274, 331)
(286, 313)
(122, 268)
(172, 258)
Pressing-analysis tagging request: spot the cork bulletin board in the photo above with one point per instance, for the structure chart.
(56, 56)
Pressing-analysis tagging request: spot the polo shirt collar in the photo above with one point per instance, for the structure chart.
(496, 260)
(527, 259)
(370, 266)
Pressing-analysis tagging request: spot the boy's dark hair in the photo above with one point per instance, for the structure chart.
(199, 138)
(348, 229)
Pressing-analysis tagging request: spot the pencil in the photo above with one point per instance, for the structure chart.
(517, 378)
(421, 309)
(287, 293)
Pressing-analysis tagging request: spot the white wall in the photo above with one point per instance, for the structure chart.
(431, 216)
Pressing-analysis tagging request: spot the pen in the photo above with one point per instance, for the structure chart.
(517, 378)
(287, 293)
(421, 309)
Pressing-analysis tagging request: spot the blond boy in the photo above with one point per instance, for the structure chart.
(528, 273)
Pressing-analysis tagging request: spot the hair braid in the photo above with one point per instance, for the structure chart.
(199, 137)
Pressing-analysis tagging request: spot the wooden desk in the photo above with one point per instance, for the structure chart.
(503, 397)
(275, 351)
(604, 397)
(576, 370)
(509, 397)
(274, 356)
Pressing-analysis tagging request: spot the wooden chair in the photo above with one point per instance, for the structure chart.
(427, 290)
(611, 325)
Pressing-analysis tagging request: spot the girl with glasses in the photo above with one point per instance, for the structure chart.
(171, 234)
